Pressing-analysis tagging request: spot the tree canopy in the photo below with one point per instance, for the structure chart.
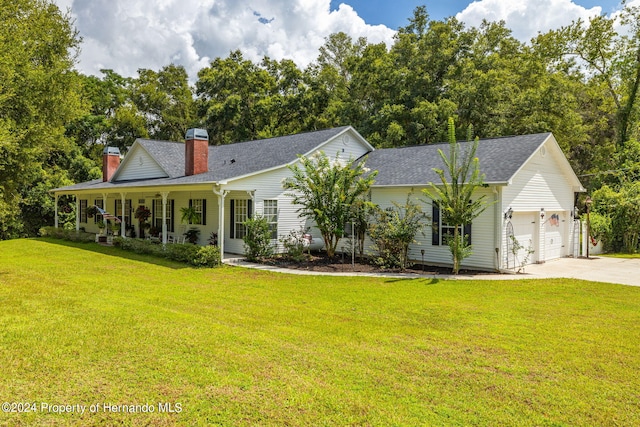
(580, 82)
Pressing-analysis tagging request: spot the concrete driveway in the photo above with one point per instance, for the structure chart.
(597, 269)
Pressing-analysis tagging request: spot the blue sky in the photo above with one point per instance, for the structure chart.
(395, 13)
(127, 35)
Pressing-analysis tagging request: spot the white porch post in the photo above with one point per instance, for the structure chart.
(542, 237)
(221, 195)
(55, 218)
(164, 217)
(77, 213)
(123, 225)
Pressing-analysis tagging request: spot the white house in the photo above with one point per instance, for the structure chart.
(528, 180)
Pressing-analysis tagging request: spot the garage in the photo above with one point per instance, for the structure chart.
(523, 228)
(555, 227)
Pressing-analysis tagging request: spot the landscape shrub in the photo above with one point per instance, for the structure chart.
(257, 240)
(294, 245)
(207, 256)
(393, 230)
(181, 252)
(199, 256)
(66, 234)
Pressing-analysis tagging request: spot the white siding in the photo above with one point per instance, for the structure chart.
(346, 146)
(482, 230)
(541, 186)
(140, 165)
(181, 199)
(267, 186)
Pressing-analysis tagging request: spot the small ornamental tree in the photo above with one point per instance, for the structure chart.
(327, 192)
(458, 181)
(393, 230)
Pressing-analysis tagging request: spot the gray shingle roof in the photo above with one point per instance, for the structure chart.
(239, 159)
(500, 159)
(225, 161)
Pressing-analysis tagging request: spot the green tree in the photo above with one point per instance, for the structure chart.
(165, 100)
(327, 192)
(606, 56)
(617, 216)
(39, 95)
(393, 230)
(454, 194)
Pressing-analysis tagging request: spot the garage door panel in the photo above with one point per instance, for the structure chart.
(554, 232)
(524, 231)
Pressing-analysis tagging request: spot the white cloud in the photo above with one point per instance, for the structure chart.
(126, 35)
(526, 18)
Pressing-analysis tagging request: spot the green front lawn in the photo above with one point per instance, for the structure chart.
(81, 324)
(621, 255)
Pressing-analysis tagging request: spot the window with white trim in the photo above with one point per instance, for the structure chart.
(241, 210)
(98, 217)
(241, 214)
(441, 231)
(127, 210)
(200, 206)
(83, 211)
(270, 213)
(157, 214)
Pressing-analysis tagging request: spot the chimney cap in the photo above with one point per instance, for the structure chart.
(111, 151)
(197, 134)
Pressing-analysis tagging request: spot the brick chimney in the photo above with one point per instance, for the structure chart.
(196, 152)
(110, 162)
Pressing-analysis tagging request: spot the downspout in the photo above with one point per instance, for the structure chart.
(497, 232)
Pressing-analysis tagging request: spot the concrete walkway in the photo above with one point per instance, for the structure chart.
(597, 269)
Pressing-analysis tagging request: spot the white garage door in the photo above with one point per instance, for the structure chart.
(554, 235)
(524, 231)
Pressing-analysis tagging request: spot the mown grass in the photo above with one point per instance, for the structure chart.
(83, 324)
(621, 255)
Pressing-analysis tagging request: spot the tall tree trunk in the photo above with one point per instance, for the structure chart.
(625, 112)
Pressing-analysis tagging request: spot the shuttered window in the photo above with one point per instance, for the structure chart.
(83, 211)
(440, 231)
(200, 206)
(241, 210)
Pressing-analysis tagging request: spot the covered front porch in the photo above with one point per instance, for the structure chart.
(210, 211)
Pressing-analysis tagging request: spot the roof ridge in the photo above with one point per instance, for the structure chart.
(463, 141)
(288, 135)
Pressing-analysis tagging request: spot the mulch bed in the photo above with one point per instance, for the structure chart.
(321, 263)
